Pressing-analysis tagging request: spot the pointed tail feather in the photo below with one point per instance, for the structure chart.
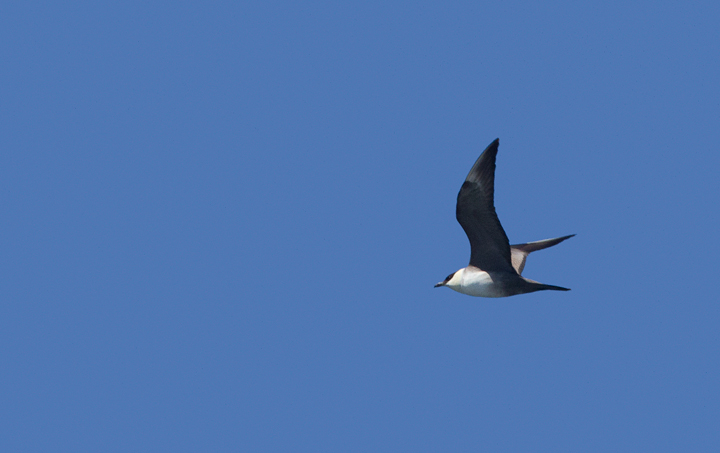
(519, 252)
(553, 287)
(537, 286)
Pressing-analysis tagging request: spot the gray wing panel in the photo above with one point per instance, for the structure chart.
(518, 259)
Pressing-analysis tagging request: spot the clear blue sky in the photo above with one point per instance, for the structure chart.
(221, 224)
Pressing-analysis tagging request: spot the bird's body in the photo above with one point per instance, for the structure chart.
(476, 282)
(495, 265)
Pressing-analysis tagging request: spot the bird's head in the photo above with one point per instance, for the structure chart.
(453, 280)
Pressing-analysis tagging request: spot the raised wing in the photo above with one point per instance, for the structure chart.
(489, 245)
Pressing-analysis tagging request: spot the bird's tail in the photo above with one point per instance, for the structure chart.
(543, 286)
(537, 286)
(519, 253)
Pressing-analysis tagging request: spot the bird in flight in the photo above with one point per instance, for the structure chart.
(495, 266)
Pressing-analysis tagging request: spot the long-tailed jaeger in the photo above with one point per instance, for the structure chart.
(495, 265)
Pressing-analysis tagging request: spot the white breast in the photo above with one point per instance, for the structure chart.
(474, 283)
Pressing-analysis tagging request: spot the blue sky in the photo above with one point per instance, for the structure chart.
(222, 224)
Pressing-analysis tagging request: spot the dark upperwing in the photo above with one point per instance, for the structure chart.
(489, 245)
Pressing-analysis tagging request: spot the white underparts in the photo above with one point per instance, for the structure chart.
(474, 282)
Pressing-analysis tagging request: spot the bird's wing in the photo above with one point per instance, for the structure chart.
(520, 251)
(489, 245)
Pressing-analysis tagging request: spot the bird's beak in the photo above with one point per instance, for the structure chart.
(440, 284)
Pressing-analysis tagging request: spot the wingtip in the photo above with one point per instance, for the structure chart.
(491, 149)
